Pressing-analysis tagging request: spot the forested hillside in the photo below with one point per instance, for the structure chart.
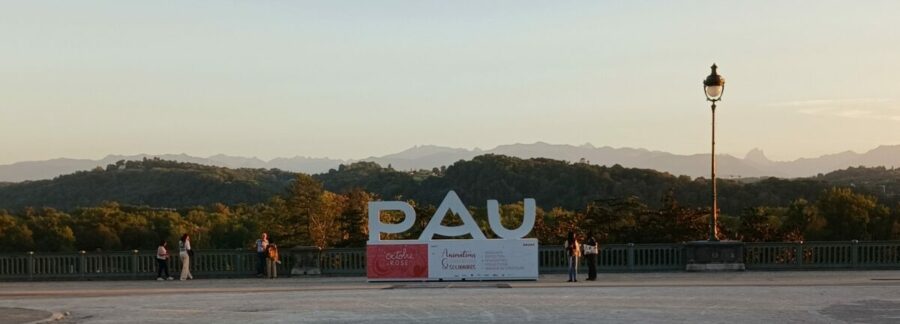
(572, 186)
(133, 204)
(553, 183)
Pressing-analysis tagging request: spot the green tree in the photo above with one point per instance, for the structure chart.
(304, 203)
(15, 236)
(802, 222)
(98, 228)
(848, 214)
(617, 220)
(51, 230)
(760, 224)
(354, 219)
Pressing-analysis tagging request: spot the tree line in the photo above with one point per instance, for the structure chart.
(308, 215)
(617, 204)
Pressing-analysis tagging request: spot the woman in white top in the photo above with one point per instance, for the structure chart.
(162, 261)
(184, 251)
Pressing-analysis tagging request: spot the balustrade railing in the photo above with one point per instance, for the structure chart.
(822, 255)
(347, 261)
(352, 261)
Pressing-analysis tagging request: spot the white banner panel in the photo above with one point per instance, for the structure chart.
(497, 259)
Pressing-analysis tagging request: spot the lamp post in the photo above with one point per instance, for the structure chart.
(713, 88)
(712, 254)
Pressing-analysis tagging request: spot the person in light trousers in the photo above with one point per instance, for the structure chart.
(184, 251)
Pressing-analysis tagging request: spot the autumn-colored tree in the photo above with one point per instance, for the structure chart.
(324, 224)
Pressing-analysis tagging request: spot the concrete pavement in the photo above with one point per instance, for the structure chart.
(746, 297)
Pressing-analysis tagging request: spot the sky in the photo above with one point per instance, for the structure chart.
(352, 79)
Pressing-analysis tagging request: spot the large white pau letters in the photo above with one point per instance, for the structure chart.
(451, 203)
(509, 257)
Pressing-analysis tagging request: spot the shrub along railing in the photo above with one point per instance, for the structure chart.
(352, 261)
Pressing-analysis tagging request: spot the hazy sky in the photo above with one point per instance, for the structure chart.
(350, 79)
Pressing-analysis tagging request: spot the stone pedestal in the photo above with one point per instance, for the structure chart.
(307, 260)
(715, 256)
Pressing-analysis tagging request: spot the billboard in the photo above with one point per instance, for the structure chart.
(499, 259)
(397, 261)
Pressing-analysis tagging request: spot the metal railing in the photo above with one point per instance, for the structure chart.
(127, 265)
(822, 255)
(619, 258)
(352, 261)
(347, 261)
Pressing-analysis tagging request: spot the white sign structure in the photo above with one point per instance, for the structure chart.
(510, 257)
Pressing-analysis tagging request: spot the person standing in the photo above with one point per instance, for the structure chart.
(162, 261)
(272, 261)
(261, 245)
(573, 250)
(184, 251)
(591, 250)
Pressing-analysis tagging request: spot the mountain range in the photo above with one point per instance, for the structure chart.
(754, 164)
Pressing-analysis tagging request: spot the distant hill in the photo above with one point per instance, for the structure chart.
(150, 182)
(424, 157)
(553, 183)
(42, 170)
(754, 164)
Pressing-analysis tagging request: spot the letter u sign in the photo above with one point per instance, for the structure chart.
(451, 203)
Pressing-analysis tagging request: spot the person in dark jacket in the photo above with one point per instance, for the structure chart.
(261, 256)
(591, 251)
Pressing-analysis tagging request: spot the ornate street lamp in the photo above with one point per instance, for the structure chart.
(714, 87)
(712, 254)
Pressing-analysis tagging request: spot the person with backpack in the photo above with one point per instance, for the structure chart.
(162, 261)
(184, 251)
(573, 250)
(272, 260)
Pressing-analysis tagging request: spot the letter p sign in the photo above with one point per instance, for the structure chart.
(376, 227)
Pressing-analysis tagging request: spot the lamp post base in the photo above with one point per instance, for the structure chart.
(715, 256)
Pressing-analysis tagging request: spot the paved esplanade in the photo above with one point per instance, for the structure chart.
(745, 297)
